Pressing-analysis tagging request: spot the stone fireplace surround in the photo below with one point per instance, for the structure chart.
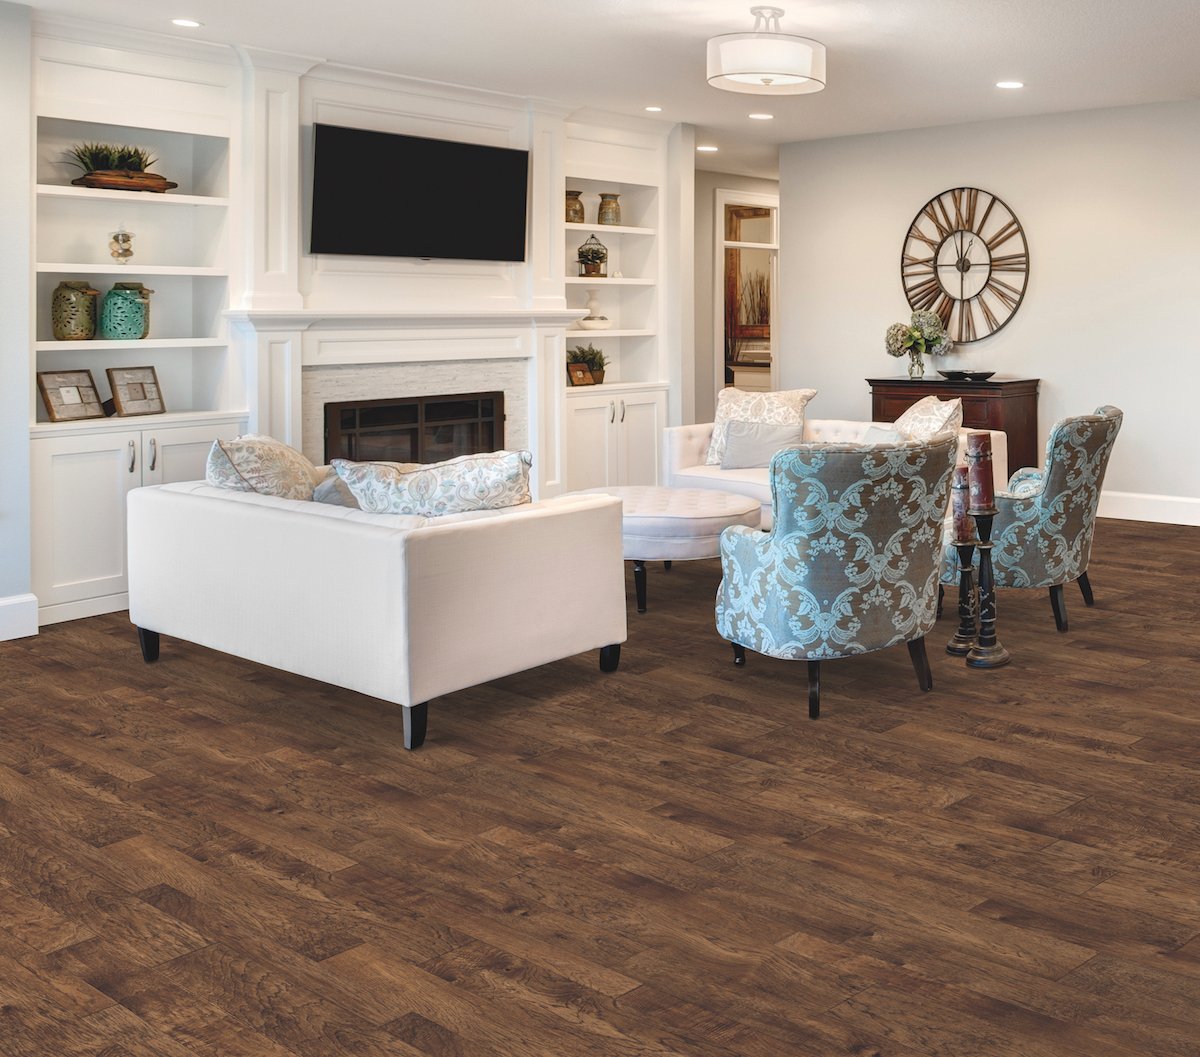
(309, 357)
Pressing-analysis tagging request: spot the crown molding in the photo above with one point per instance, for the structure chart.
(80, 31)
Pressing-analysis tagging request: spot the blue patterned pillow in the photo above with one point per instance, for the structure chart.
(488, 481)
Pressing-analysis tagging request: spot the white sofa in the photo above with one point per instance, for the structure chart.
(402, 608)
(685, 448)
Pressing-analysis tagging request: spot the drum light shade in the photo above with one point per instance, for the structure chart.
(766, 61)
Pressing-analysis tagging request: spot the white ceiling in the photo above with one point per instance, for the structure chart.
(893, 64)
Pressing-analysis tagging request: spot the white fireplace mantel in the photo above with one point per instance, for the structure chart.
(287, 343)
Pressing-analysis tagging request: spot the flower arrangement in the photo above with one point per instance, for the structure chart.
(924, 334)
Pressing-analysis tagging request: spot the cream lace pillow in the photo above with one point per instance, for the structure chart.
(777, 409)
(255, 463)
(471, 482)
(930, 416)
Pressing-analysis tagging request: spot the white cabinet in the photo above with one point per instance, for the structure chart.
(80, 482)
(614, 438)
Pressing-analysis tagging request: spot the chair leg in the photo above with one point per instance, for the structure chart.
(666, 567)
(639, 584)
(610, 657)
(1059, 605)
(814, 689)
(1085, 589)
(415, 718)
(149, 642)
(739, 654)
(941, 597)
(920, 663)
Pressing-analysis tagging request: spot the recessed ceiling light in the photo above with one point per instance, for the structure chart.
(654, 109)
(186, 23)
(1010, 84)
(761, 117)
(708, 148)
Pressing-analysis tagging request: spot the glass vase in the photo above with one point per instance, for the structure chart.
(916, 365)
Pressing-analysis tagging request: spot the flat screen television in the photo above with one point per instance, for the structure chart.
(379, 194)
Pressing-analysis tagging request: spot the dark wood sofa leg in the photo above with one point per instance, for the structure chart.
(941, 599)
(415, 718)
(148, 640)
(739, 654)
(639, 585)
(1059, 605)
(920, 662)
(610, 657)
(1085, 589)
(814, 689)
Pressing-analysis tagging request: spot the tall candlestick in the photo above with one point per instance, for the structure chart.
(987, 652)
(979, 461)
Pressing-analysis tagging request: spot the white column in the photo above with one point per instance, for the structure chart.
(18, 607)
(271, 177)
(273, 353)
(545, 252)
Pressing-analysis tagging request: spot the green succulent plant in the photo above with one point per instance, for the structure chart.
(96, 157)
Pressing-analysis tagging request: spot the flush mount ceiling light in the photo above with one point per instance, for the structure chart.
(761, 117)
(766, 61)
(654, 109)
(186, 23)
(707, 148)
(1010, 84)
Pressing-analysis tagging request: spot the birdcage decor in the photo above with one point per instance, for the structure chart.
(593, 258)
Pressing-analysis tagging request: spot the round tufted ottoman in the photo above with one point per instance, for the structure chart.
(676, 524)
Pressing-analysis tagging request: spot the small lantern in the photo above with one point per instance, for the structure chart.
(593, 258)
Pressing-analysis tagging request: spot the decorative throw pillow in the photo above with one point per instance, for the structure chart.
(777, 409)
(488, 481)
(930, 416)
(752, 444)
(333, 492)
(879, 435)
(255, 463)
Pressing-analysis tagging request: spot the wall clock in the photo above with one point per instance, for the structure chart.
(965, 257)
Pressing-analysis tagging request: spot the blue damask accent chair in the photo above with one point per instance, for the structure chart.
(1042, 534)
(851, 564)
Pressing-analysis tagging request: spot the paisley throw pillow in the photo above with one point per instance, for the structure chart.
(488, 481)
(785, 408)
(256, 463)
(930, 416)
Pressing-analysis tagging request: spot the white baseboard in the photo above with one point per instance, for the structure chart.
(18, 616)
(1139, 506)
(85, 607)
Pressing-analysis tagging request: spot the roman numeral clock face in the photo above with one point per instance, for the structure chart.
(965, 257)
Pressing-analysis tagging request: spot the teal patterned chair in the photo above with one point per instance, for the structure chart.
(851, 564)
(1042, 534)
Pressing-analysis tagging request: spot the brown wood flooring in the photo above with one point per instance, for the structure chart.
(204, 857)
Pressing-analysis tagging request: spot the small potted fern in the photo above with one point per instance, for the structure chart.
(116, 167)
(593, 357)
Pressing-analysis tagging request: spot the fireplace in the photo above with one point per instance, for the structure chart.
(414, 429)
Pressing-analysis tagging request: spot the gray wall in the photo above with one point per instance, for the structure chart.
(15, 298)
(706, 186)
(1110, 210)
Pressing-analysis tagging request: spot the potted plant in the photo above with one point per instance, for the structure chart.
(592, 257)
(924, 333)
(116, 167)
(593, 357)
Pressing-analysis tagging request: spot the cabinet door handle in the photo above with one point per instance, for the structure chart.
(132, 456)
(612, 412)
(153, 453)
(622, 410)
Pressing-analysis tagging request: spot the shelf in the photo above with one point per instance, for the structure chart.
(136, 270)
(616, 229)
(137, 197)
(615, 387)
(119, 424)
(143, 343)
(611, 333)
(596, 280)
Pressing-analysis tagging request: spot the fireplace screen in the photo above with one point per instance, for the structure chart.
(415, 429)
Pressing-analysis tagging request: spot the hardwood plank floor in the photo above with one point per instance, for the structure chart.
(204, 857)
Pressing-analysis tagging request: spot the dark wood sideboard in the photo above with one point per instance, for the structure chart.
(1001, 402)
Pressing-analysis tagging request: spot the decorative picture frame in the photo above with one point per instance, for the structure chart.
(135, 391)
(580, 374)
(69, 395)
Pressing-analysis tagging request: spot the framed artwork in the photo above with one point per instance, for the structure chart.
(580, 374)
(69, 395)
(135, 391)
